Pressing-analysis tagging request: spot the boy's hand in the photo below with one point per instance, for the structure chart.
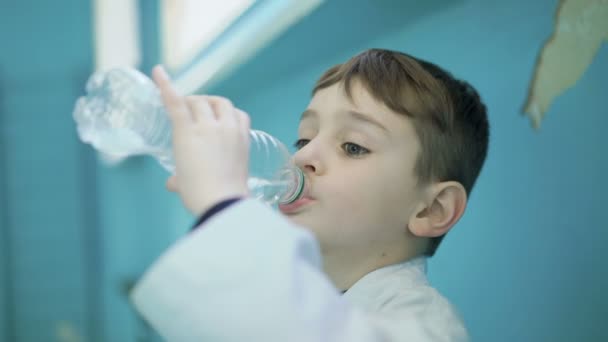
(210, 146)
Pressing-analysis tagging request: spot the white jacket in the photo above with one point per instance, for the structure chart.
(248, 274)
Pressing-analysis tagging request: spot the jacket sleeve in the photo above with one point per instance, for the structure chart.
(248, 274)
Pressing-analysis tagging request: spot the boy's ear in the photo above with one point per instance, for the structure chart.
(443, 206)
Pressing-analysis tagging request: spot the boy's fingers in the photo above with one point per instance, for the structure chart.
(223, 108)
(175, 104)
(245, 123)
(244, 118)
(200, 108)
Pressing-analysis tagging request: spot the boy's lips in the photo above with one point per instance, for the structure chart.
(293, 207)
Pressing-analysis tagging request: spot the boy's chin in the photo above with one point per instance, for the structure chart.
(295, 218)
(301, 219)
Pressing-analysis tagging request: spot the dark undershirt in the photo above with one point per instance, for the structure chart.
(214, 210)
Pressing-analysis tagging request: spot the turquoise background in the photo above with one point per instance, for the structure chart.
(526, 263)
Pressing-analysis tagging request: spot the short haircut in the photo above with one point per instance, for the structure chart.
(447, 113)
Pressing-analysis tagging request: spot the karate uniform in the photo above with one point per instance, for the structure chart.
(248, 274)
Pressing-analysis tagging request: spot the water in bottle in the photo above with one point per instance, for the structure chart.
(122, 115)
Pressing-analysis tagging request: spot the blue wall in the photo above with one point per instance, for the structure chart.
(73, 233)
(47, 282)
(524, 264)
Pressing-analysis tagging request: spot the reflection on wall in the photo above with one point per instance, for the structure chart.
(580, 29)
(188, 26)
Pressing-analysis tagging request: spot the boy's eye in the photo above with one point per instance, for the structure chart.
(354, 150)
(300, 143)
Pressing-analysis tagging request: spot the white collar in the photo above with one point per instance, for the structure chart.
(388, 280)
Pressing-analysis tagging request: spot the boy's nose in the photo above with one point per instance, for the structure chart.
(309, 160)
(309, 168)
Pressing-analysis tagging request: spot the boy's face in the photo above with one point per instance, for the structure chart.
(359, 160)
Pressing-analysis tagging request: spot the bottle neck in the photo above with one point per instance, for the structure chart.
(296, 188)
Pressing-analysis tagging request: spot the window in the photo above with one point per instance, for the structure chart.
(189, 26)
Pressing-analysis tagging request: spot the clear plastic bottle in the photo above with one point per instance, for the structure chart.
(122, 115)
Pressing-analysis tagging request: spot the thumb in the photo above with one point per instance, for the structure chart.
(172, 184)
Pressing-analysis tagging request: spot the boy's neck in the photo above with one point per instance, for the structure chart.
(345, 270)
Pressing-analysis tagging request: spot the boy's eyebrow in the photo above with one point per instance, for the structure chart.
(353, 114)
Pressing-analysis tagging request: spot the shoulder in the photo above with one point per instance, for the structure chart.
(401, 300)
(423, 308)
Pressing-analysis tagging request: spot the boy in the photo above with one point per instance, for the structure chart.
(390, 146)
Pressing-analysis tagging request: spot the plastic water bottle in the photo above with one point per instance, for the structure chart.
(122, 115)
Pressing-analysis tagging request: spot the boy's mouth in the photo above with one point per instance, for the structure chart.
(294, 207)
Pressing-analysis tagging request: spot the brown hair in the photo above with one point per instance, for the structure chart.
(448, 115)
